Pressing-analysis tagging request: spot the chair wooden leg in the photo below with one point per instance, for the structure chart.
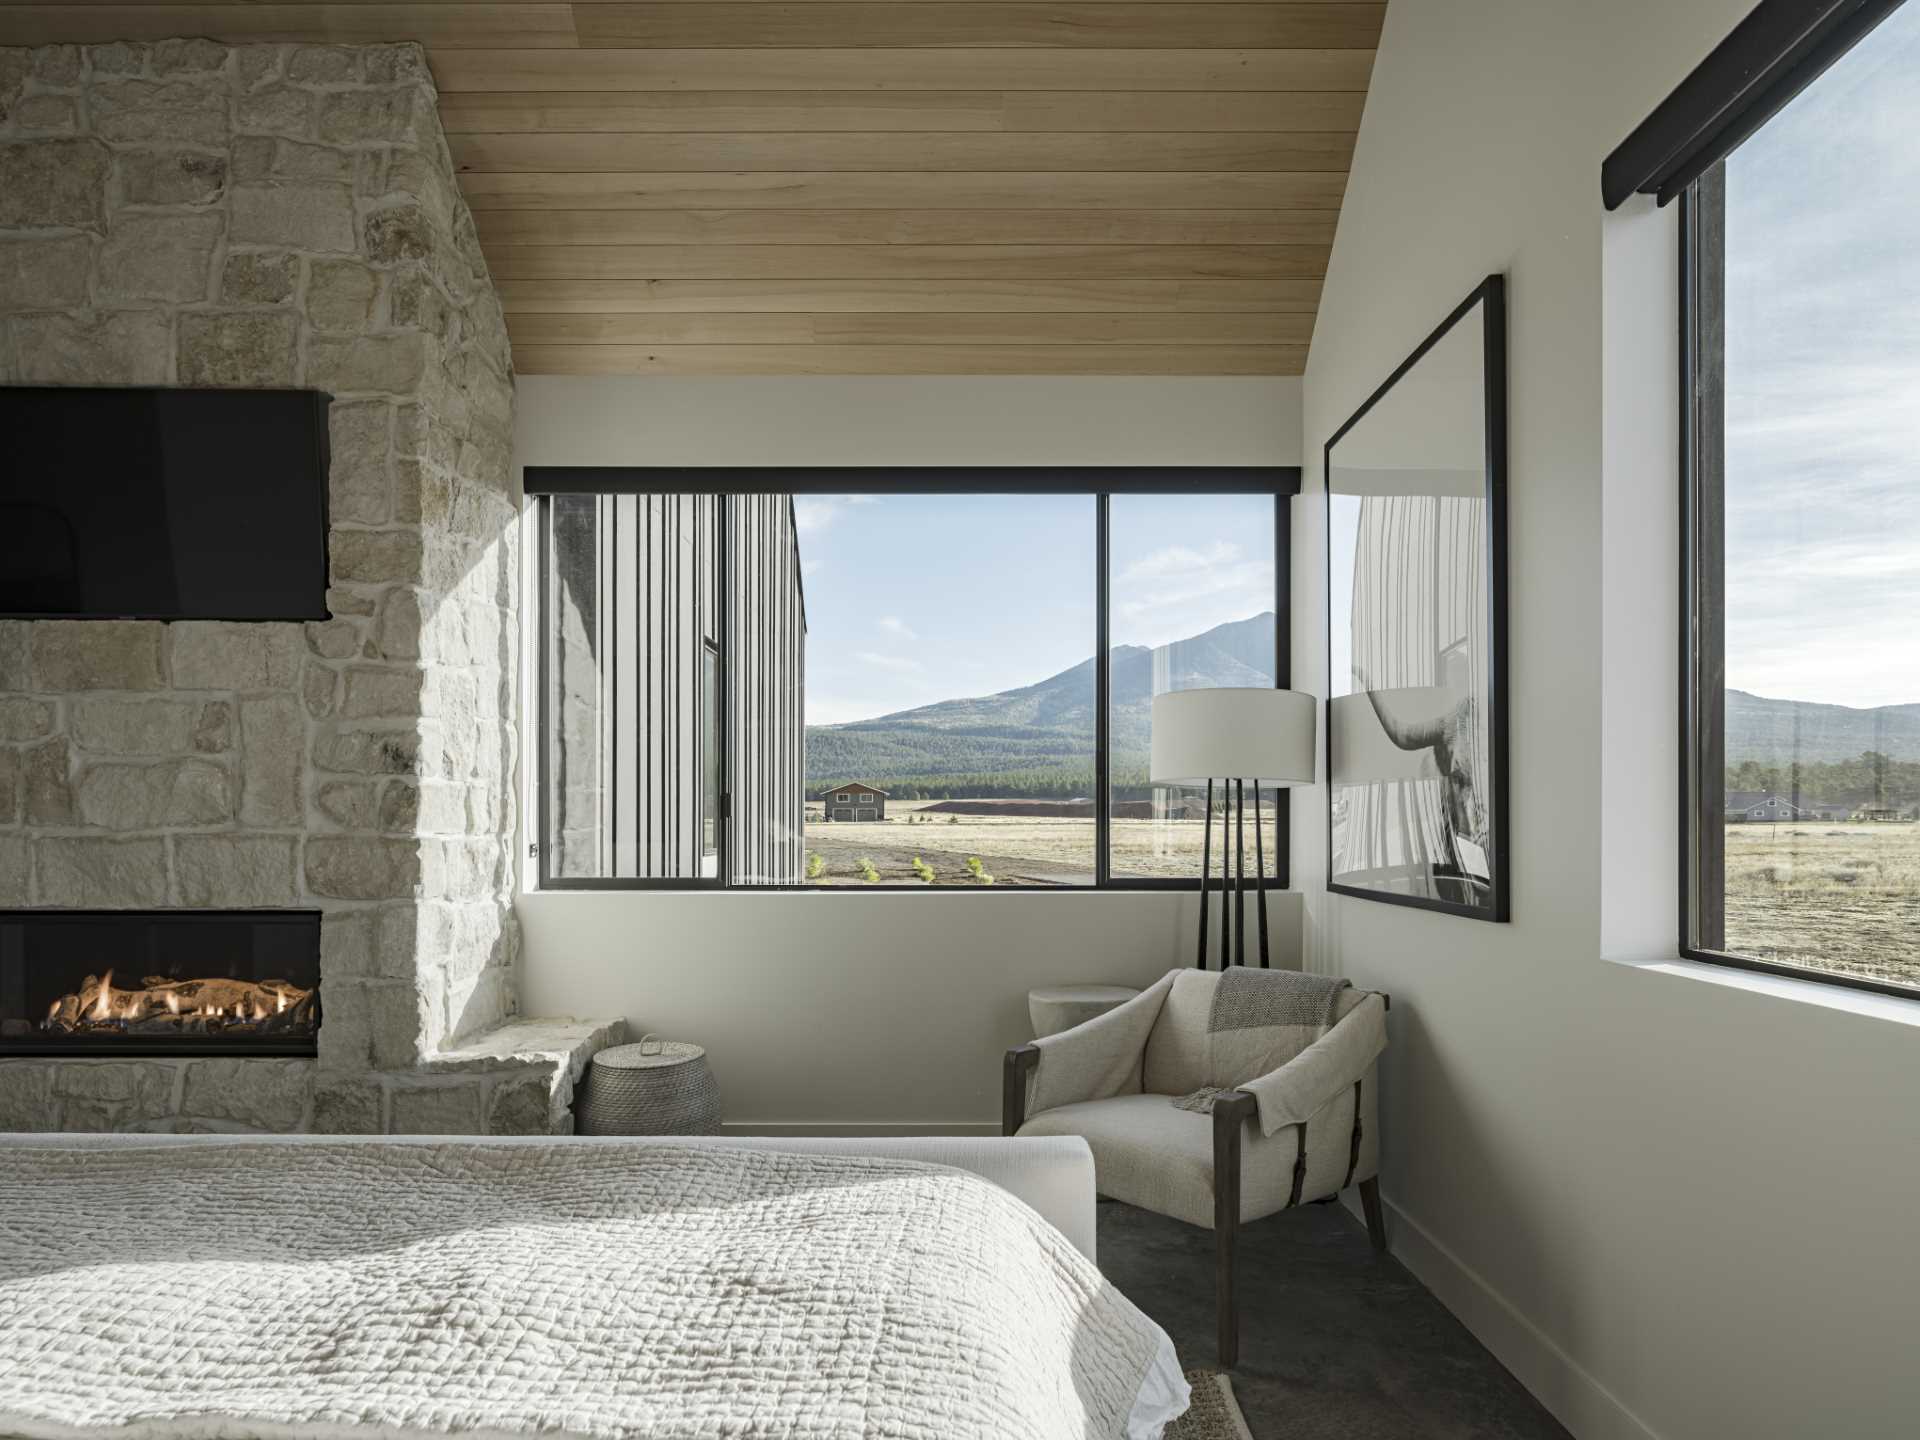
(1376, 1217)
(1225, 1231)
(1231, 1109)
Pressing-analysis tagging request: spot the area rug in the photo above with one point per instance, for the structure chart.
(1214, 1413)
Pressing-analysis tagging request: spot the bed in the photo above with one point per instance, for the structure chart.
(177, 1287)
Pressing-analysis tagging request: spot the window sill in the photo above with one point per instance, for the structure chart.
(1895, 1008)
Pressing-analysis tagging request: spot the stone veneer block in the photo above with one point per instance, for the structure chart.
(171, 177)
(82, 347)
(141, 111)
(97, 655)
(218, 655)
(240, 347)
(45, 272)
(49, 183)
(117, 726)
(45, 783)
(16, 868)
(89, 874)
(22, 719)
(168, 794)
(254, 1093)
(159, 257)
(10, 786)
(387, 364)
(298, 217)
(353, 867)
(258, 277)
(27, 1101)
(350, 1108)
(236, 871)
(273, 747)
(13, 655)
(451, 1108)
(340, 295)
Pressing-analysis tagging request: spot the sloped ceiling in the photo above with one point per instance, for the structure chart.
(874, 186)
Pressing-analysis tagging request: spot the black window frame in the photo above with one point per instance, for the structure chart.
(1680, 152)
(541, 482)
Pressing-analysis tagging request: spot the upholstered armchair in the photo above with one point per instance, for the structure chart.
(1285, 1060)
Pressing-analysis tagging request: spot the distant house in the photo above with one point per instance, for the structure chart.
(855, 801)
(1881, 813)
(1821, 811)
(1759, 807)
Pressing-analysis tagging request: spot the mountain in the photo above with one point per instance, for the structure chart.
(1038, 739)
(1778, 732)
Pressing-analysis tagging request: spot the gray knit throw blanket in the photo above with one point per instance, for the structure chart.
(1266, 1000)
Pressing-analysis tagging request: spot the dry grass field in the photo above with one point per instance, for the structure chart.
(1014, 850)
(1839, 897)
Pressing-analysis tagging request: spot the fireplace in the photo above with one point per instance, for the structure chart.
(159, 982)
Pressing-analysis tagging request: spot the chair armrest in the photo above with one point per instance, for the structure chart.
(1097, 1058)
(1297, 1090)
(1013, 1087)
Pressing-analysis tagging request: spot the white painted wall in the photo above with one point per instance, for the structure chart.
(1677, 1201)
(831, 1012)
(900, 420)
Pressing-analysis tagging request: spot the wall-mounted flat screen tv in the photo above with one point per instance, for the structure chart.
(163, 504)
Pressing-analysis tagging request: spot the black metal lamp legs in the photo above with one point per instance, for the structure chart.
(1233, 876)
(1260, 878)
(1206, 866)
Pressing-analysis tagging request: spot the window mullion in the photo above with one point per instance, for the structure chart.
(1102, 694)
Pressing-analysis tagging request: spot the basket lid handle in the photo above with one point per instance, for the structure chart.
(659, 1045)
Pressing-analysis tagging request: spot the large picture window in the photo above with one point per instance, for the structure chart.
(1802, 504)
(941, 680)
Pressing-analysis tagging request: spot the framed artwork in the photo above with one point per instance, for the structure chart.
(1416, 626)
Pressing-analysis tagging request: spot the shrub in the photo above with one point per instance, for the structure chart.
(923, 870)
(816, 865)
(978, 871)
(867, 872)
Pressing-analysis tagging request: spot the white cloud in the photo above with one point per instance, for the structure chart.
(1180, 590)
(1174, 560)
(887, 662)
(894, 625)
(814, 513)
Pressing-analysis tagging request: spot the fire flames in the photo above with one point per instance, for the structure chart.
(162, 1006)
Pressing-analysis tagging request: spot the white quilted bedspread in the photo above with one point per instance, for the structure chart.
(295, 1291)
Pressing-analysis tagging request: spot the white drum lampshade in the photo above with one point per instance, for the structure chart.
(1265, 737)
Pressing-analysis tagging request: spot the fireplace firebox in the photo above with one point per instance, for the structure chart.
(159, 982)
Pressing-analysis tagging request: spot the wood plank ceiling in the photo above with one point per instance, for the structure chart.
(733, 187)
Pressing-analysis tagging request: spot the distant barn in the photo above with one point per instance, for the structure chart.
(1759, 807)
(855, 801)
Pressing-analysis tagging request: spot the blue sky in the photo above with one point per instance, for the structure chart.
(913, 599)
(1823, 386)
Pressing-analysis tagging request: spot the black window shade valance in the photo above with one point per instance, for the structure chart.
(1776, 52)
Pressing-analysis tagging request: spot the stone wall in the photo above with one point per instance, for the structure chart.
(187, 213)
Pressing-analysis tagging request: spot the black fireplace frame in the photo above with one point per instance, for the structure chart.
(70, 1048)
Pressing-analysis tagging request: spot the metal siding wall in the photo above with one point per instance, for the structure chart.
(635, 594)
(767, 648)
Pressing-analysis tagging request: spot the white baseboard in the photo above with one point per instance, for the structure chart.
(853, 1132)
(1555, 1379)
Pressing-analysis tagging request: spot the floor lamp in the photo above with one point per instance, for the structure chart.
(1233, 738)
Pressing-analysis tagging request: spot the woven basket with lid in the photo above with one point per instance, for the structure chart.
(656, 1087)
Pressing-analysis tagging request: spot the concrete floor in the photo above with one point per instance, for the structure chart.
(1335, 1343)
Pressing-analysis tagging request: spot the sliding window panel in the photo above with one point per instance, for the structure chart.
(949, 688)
(1193, 606)
(1804, 537)
(623, 672)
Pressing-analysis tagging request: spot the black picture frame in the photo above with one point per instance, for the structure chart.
(1450, 885)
